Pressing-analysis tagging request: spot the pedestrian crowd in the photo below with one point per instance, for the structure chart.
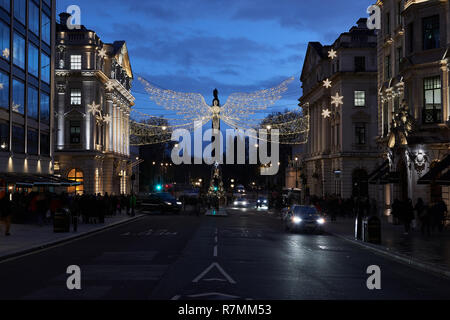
(42, 207)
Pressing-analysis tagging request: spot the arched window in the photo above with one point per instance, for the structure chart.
(76, 176)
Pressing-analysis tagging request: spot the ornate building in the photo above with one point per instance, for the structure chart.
(340, 96)
(413, 102)
(26, 92)
(93, 104)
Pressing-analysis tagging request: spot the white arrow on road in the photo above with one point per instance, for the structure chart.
(212, 266)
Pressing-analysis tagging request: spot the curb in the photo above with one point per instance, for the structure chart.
(72, 237)
(397, 256)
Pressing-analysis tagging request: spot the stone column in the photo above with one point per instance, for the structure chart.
(109, 126)
(61, 119)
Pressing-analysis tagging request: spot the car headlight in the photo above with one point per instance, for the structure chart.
(297, 220)
(265, 201)
(236, 203)
(259, 201)
(179, 203)
(168, 203)
(244, 203)
(321, 221)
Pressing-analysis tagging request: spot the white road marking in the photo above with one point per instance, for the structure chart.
(216, 239)
(215, 251)
(176, 298)
(212, 266)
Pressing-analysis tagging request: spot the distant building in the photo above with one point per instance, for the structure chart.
(341, 149)
(26, 92)
(93, 104)
(413, 102)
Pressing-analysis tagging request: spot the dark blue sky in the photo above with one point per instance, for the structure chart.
(232, 45)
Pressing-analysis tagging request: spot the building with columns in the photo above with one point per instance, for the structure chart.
(413, 102)
(341, 150)
(92, 106)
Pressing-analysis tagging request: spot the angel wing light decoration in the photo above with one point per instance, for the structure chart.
(238, 111)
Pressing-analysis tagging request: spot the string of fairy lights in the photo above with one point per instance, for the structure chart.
(240, 112)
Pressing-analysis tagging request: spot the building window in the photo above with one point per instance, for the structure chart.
(385, 118)
(20, 10)
(33, 104)
(18, 96)
(360, 98)
(45, 68)
(4, 136)
(4, 41)
(33, 60)
(387, 68)
(75, 97)
(399, 58)
(431, 35)
(33, 19)
(360, 133)
(19, 50)
(75, 132)
(77, 176)
(410, 37)
(360, 64)
(5, 5)
(4, 90)
(123, 182)
(45, 144)
(45, 108)
(75, 62)
(46, 28)
(18, 139)
(433, 100)
(388, 23)
(32, 144)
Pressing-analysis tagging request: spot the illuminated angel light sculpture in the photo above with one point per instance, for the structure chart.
(238, 111)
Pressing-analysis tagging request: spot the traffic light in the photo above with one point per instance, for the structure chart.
(159, 187)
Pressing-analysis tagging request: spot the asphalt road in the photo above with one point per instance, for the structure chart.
(246, 255)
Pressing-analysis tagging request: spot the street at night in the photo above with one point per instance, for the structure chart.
(174, 257)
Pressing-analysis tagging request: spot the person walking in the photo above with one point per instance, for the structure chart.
(407, 215)
(424, 217)
(5, 212)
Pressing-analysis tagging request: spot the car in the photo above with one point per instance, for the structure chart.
(304, 218)
(161, 202)
(262, 203)
(240, 202)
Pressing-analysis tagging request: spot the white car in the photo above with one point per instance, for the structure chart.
(240, 203)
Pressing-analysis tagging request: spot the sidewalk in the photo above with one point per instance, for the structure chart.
(29, 238)
(431, 253)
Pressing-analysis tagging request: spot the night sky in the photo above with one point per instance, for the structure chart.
(232, 45)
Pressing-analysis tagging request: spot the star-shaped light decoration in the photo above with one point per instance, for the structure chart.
(93, 108)
(6, 53)
(109, 86)
(326, 113)
(332, 54)
(107, 119)
(102, 53)
(327, 83)
(337, 100)
(1, 86)
(15, 107)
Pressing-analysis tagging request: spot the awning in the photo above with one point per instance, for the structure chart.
(433, 174)
(379, 173)
(444, 180)
(31, 180)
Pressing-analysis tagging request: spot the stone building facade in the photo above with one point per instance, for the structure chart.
(93, 105)
(414, 107)
(340, 152)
